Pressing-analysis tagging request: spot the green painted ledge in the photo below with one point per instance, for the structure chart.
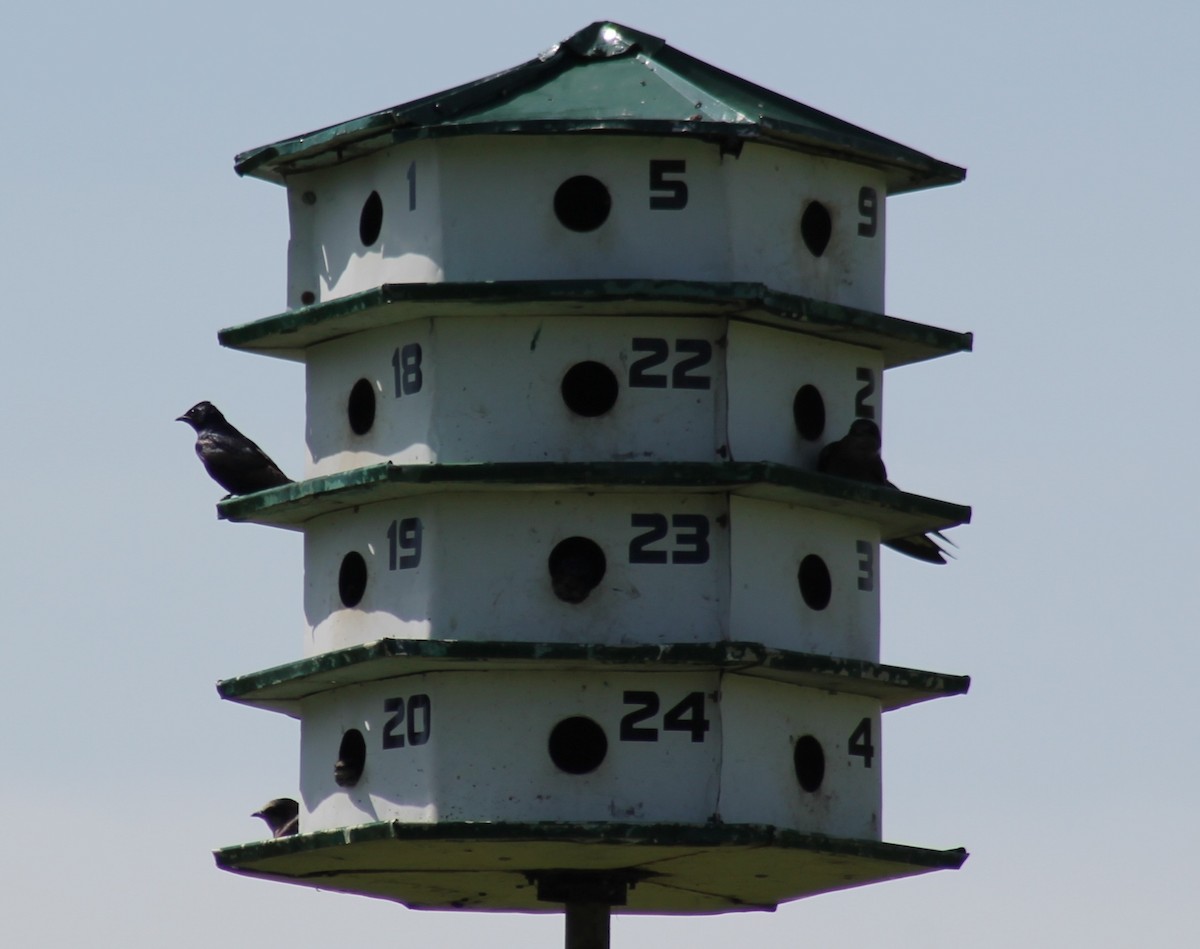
(288, 334)
(282, 688)
(898, 513)
(681, 868)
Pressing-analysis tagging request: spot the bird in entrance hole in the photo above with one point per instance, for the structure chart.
(282, 816)
(231, 459)
(856, 456)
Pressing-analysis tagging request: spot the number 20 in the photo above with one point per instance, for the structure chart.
(417, 707)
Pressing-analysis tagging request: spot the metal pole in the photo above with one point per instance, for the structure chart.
(587, 925)
(588, 897)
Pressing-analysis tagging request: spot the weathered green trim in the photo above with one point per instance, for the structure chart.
(679, 868)
(898, 513)
(283, 687)
(900, 341)
(654, 835)
(607, 78)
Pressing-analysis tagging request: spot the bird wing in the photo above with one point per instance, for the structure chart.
(921, 546)
(237, 464)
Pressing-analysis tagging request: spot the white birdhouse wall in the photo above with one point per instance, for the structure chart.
(588, 207)
(344, 240)
(502, 389)
(804, 580)
(563, 389)
(800, 758)
(581, 746)
(789, 394)
(483, 566)
(477, 566)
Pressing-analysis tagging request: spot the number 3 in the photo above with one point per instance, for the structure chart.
(868, 207)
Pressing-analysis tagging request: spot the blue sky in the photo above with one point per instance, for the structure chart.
(1070, 251)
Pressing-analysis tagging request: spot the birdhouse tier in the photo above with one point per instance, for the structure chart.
(612, 156)
(539, 207)
(612, 81)
(631, 553)
(749, 375)
(718, 731)
(673, 868)
(682, 746)
(734, 745)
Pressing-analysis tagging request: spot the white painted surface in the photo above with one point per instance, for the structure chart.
(765, 368)
(403, 425)
(769, 542)
(491, 390)
(768, 190)
(477, 209)
(761, 722)
(483, 573)
(486, 754)
(482, 208)
(326, 256)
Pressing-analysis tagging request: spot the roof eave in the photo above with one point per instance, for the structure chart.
(463, 110)
(905, 169)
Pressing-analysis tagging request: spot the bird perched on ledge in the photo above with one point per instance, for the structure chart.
(234, 462)
(856, 456)
(282, 816)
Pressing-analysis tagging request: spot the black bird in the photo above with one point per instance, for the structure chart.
(282, 816)
(234, 462)
(856, 456)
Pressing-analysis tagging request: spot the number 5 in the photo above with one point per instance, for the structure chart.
(677, 191)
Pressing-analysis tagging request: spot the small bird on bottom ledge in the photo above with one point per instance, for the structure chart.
(282, 816)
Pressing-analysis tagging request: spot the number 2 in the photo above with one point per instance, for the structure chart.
(647, 703)
(867, 378)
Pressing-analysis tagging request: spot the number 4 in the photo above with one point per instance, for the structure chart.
(860, 742)
(688, 716)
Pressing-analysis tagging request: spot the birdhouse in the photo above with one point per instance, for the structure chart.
(583, 621)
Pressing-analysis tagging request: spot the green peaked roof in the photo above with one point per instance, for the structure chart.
(607, 78)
